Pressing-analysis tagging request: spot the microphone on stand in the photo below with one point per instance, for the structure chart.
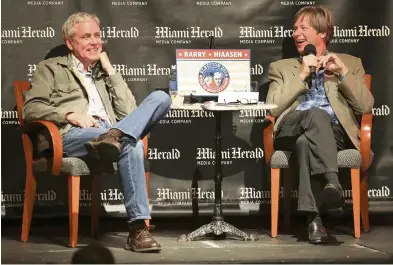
(310, 49)
(212, 45)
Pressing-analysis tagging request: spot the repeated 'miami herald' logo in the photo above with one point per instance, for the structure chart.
(19, 34)
(9, 117)
(297, 3)
(206, 156)
(214, 77)
(45, 3)
(167, 35)
(253, 35)
(112, 32)
(383, 110)
(182, 116)
(141, 73)
(213, 3)
(252, 115)
(129, 3)
(31, 70)
(354, 34)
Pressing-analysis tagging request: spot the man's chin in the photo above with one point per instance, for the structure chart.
(300, 48)
(94, 59)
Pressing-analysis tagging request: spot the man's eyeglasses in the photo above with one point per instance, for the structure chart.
(247, 101)
(243, 101)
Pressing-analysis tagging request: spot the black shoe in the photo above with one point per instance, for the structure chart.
(317, 233)
(332, 198)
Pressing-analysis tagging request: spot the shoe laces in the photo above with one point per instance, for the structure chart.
(144, 232)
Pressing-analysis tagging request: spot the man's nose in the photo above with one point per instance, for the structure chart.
(94, 41)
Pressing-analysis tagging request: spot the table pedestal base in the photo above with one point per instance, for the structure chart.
(217, 228)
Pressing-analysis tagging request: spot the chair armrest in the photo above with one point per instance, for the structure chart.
(268, 138)
(33, 127)
(365, 140)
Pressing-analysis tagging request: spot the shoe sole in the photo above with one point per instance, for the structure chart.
(317, 241)
(333, 200)
(105, 151)
(142, 250)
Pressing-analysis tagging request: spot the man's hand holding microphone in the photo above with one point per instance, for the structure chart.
(310, 63)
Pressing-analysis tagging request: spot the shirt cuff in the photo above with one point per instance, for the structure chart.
(343, 76)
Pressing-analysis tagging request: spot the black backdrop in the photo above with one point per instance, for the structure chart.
(180, 156)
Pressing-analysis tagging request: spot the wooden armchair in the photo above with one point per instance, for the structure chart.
(350, 158)
(56, 164)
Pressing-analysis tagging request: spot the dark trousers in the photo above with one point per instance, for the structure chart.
(315, 139)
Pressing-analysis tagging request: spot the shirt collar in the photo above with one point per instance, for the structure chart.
(78, 65)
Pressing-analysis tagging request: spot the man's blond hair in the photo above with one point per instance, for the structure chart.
(320, 18)
(68, 26)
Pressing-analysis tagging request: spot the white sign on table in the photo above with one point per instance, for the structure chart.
(208, 72)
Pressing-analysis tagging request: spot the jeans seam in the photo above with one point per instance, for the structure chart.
(133, 196)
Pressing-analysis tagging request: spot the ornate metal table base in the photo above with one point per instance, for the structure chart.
(217, 228)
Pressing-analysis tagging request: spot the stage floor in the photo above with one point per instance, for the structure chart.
(47, 243)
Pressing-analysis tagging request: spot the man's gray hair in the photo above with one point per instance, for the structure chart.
(68, 26)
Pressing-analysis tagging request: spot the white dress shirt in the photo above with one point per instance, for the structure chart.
(96, 108)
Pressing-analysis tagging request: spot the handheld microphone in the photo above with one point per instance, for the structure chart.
(310, 49)
(211, 42)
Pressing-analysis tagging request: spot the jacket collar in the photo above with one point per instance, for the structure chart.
(68, 61)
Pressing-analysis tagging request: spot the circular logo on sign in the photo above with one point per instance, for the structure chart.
(214, 77)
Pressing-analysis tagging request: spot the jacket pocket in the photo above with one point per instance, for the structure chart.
(67, 88)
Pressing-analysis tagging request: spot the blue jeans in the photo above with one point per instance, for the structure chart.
(131, 161)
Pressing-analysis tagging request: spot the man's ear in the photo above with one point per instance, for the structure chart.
(68, 43)
(322, 35)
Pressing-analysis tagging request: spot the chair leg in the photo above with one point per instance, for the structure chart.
(30, 193)
(95, 205)
(275, 197)
(73, 207)
(355, 179)
(288, 177)
(147, 177)
(364, 203)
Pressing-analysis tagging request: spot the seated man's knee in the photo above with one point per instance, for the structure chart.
(317, 113)
(302, 141)
(162, 97)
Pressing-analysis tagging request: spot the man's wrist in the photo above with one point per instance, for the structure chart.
(111, 71)
(343, 73)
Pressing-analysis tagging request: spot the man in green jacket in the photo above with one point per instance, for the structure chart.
(96, 114)
(319, 97)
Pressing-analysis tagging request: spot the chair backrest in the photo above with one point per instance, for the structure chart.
(20, 89)
(368, 78)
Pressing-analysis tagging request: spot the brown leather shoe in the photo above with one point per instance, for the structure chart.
(107, 147)
(140, 239)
